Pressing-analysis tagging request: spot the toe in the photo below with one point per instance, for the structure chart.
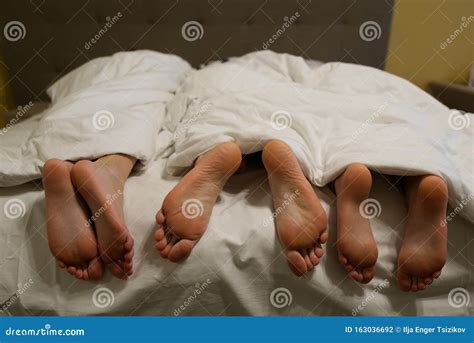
(117, 270)
(436, 274)
(307, 260)
(368, 274)
(61, 264)
(428, 280)
(160, 218)
(421, 284)
(71, 270)
(404, 281)
(356, 275)
(318, 250)
(159, 234)
(129, 256)
(312, 256)
(165, 252)
(128, 244)
(414, 284)
(324, 237)
(161, 244)
(296, 262)
(95, 269)
(181, 250)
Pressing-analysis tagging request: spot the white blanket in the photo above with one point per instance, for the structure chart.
(109, 105)
(332, 116)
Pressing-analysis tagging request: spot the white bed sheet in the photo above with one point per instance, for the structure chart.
(232, 271)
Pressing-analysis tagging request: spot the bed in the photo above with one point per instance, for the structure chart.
(237, 268)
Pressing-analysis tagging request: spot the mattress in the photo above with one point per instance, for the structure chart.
(237, 268)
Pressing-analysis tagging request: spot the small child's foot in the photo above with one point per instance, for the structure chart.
(424, 248)
(71, 240)
(355, 241)
(187, 209)
(103, 192)
(301, 221)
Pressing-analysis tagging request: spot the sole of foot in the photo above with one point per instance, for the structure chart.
(187, 209)
(71, 239)
(301, 222)
(424, 247)
(103, 193)
(357, 249)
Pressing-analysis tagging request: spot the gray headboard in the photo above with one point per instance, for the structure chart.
(44, 39)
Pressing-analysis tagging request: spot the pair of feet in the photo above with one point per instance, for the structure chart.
(424, 247)
(86, 227)
(301, 221)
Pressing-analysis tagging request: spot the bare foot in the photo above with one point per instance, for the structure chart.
(103, 191)
(71, 240)
(187, 209)
(300, 219)
(355, 242)
(424, 248)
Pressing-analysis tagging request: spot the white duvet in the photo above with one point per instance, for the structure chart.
(332, 115)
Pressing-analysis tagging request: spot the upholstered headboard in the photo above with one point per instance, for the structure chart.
(44, 39)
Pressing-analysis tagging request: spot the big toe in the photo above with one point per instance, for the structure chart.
(181, 250)
(296, 262)
(95, 269)
(404, 281)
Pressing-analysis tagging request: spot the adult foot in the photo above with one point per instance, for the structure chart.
(71, 239)
(424, 248)
(300, 219)
(356, 245)
(187, 209)
(102, 189)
